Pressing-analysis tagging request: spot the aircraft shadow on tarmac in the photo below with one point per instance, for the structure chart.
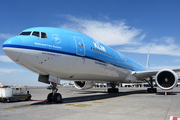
(97, 96)
(168, 93)
(102, 96)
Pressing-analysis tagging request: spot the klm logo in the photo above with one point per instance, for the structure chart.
(55, 38)
(98, 46)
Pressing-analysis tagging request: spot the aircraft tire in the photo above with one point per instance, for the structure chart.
(151, 90)
(49, 97)
(57, 98)
(28, 98)
(111, 90)
(4, 100)
(116, 90)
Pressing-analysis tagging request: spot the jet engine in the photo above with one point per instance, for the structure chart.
(83, 85)
(166, 79)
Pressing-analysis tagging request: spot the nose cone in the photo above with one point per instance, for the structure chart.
(13, 48)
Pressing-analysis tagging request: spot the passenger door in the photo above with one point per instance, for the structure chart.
(80, 47)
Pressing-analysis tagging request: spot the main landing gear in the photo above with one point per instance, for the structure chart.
(54, 97)
(113, 89)
(152, 89)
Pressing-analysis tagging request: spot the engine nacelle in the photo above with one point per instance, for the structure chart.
(166, 79)
(83, 85)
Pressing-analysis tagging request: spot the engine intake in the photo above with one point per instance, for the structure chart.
(83, 85)
(166, 79)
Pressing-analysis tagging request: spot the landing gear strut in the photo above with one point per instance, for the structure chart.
(113, 89)
(54, 96)
(152, 89)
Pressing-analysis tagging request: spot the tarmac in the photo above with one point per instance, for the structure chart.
(95, 104)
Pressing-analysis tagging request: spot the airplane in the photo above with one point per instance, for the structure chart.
(56, 53)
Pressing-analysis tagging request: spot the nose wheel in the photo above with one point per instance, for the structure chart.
(57, 98)
(54, 97)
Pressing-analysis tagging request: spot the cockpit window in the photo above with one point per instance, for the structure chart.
(25, 33)
(43, 35)
(35, 33)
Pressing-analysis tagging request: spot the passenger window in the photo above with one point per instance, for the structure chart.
(35, 34)
(43, 35)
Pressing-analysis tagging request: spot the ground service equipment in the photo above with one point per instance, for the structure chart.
(14, 93)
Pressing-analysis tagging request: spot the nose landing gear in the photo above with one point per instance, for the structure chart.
(54, 97)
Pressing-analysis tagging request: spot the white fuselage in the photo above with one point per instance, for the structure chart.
(70, 67)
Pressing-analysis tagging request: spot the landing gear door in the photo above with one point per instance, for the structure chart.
(80, 47)
(54, 79)
(49, 79)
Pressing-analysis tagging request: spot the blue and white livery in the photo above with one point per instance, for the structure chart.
(64, 54)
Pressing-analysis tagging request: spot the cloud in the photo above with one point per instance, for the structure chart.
(164, 67)
(167, 40)
(176, 60)
(8, 70)
(4, 58)
(5, 36)
(110, 33)
(120, 36)
(163, 46)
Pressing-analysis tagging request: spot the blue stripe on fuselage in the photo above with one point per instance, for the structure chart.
(54, 51)
(68, 45)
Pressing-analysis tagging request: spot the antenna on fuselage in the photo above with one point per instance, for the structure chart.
(147, 62)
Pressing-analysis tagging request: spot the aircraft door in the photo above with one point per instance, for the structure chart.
(80, 47)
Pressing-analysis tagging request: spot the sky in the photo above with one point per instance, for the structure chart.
(132, 27)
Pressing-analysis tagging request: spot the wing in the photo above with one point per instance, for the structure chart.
(149, 73)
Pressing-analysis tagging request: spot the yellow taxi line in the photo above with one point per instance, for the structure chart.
(18, 107)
